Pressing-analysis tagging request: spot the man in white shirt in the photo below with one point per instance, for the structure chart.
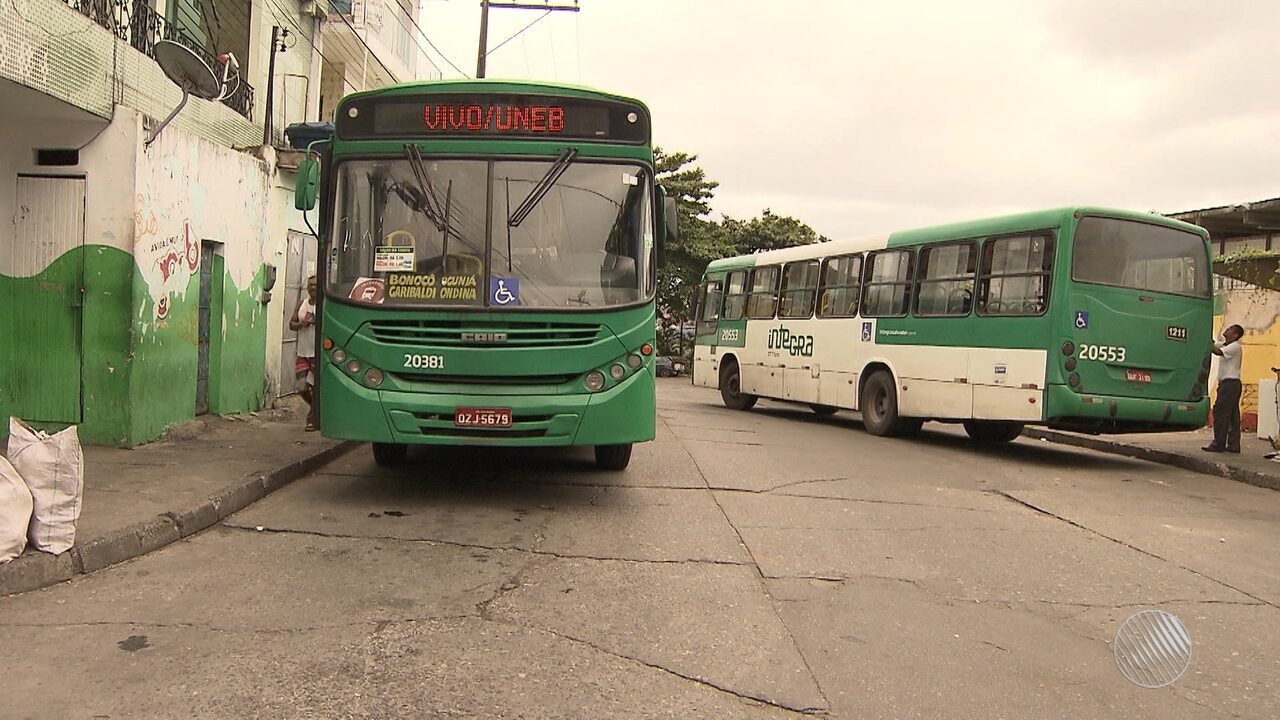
(1226, 409)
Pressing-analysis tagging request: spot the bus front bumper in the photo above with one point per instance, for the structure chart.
(623, 413)
(1069, 410)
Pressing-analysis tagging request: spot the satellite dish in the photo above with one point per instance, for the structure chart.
(187, 70)
(190, 72)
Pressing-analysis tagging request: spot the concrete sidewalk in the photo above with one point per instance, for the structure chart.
(1181, 450)
(141, 499)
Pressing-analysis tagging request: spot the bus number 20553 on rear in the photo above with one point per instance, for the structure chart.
(424, 362)
(1105, 353)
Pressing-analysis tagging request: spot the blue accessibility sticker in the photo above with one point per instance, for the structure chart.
(866, 332)
(504, 291)
(1082, 319)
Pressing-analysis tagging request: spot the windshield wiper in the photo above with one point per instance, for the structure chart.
(430, 203)
(543, 187)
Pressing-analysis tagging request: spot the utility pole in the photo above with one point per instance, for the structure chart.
(483, 52)
(278, 35)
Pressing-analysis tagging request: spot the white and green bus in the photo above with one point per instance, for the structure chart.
(1080, 318)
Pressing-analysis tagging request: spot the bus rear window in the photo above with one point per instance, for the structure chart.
(1141, 256)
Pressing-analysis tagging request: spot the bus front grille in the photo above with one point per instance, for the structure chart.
(478, 333)
(488, 380)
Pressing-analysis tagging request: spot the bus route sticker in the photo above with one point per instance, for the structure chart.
(371, 290)
(504, 291)
(389, 258)
(866, 331)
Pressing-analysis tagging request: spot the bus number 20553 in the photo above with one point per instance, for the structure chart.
(424, 362)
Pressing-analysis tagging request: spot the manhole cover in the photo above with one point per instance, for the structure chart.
(1152, 649)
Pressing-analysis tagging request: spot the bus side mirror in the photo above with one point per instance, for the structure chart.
(672, 219)
(307, 186)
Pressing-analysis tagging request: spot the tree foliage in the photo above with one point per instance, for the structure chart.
(703, 240)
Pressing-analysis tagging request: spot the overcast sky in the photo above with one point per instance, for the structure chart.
(862, 117)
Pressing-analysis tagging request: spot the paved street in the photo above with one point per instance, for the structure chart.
(756, 565)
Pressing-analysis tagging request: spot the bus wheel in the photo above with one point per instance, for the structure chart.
(731, 388)
(613, 457)
(879, 403)
(389, 454)
(993, 431)
(824, 409)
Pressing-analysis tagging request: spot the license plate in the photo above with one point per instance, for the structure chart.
(1137, 375)
(482, 417)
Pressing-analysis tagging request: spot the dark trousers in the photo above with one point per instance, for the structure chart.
(1226, 415)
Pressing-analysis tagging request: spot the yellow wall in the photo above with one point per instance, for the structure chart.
(1258, 312)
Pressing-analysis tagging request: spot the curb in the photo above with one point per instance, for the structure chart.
(32, 571)
(1164, 457)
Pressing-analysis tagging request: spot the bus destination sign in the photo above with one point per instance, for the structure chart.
(516, 116)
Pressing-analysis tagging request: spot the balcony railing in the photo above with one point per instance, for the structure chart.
(137, 23)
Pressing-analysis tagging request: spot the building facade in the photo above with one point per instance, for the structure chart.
(144, 282)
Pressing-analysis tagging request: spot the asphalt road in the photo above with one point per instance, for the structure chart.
(749, 564)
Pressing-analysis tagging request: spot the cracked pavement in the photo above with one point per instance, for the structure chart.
(769, 564)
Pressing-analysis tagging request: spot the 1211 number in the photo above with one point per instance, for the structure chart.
(1106, 353)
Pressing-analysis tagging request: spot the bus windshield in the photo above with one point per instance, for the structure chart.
(1141, 256)
(414, 232)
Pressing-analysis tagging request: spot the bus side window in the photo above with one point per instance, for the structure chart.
(763, 301)
(709, 308)
(888, 284)
(799, 283)
(1014, 277)
(839, 292)
(945, 286)
(735, 295)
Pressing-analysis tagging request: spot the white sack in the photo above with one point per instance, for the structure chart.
(15, 512)
(53, 468)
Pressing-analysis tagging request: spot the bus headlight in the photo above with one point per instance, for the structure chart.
(353, 366)
(617, 372)
(634, 361)
(595, 381)
(339, 356)
(373, 377)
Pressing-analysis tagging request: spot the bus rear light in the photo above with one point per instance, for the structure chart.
(339, 356)
(646, 349)
(1204, 376)
(327, 344)
(1091, 400)
(595, 381)
(373, 377)
(1070, 364)
(1068, 348)
(1208, 362)
(1074, 381)
(1197, 392)
(634, 361)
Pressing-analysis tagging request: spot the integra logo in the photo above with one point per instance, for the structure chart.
(782, 339)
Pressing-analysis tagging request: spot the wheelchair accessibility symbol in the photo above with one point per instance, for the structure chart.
(504, 291)
(1082, 319)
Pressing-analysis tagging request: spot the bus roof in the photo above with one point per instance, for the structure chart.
(1021, 222)
(488, 85)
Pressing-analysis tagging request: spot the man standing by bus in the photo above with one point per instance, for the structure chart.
(304, 367)
(1226, 409)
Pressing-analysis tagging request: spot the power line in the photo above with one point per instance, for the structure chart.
(519, 32)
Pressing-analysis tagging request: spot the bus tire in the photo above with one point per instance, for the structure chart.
(389, 454)
(731, 388)
(613, 457)
(824, 409)
(879, 403)
(993, 431)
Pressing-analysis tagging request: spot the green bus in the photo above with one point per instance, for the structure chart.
(487, 260)
(1081, 318)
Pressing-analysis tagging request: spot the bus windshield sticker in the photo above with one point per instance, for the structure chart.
(866, 331)
(504, 291)
(629, 179)
(434, 288)
(387, 258)
(369, 290)
(1082, 319)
